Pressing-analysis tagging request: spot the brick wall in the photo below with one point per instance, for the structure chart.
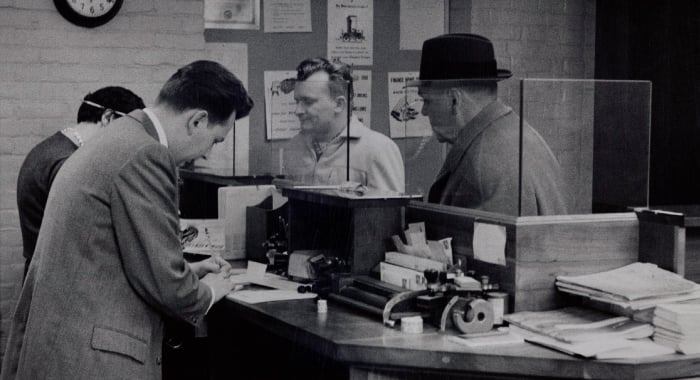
(47, 65)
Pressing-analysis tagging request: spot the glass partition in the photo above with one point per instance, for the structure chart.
(597, 132)
(560, 147)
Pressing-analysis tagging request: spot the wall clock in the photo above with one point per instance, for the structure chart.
(88, 13)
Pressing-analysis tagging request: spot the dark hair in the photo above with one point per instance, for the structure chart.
(340, 75)
(209, 86)
(114, 98)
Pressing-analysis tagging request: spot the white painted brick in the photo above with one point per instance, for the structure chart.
(7, 36)
(35, 4)
(75, 73)
(494, 4)
(19, 54)
(179, 41)
(9, 218)
(10, 237)
(553, 6)
(139, 7)
(20, 19)
(157, 57)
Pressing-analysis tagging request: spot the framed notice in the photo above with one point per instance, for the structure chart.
(232, 14)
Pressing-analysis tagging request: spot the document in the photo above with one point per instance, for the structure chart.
(268, 287)
(287, 16)
(350, 31)
(280, 117)
(259, 296)
(489, 243)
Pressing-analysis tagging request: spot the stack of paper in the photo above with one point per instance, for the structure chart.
(633, 287)
(575, 324)
(678, 326)
(587, 333)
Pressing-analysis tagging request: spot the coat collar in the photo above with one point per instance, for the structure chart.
(145, 121)
(471, 131)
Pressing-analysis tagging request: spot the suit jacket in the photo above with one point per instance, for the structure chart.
(108, 265)
(482, 168)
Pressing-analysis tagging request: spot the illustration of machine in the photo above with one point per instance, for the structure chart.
(352, 34)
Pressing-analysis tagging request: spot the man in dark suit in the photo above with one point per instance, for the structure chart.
(458, 84)
(108, 266)
(41, 165)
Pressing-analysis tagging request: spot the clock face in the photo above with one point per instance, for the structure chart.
(91, 8)
(88, 13)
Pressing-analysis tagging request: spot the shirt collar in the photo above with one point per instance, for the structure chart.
(356, 129)
(162, 137)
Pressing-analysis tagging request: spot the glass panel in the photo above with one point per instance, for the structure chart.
(410, 129)
(585, 145)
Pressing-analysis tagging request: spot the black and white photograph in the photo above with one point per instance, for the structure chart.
(349, 189)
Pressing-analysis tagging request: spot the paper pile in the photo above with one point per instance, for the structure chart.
(405, 268)
(634, 287)
(587, 333)
(678, 326)
(417, 245)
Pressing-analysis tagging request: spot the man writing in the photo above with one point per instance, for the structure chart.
(318, 154)
(458, 83)
(108, 264)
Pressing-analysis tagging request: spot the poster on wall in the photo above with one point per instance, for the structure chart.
(231, 156)
(232, 14)
(287, 16)
(350, 31)
(362, 102)
(429, 14)
(405, 106)
(280, 119)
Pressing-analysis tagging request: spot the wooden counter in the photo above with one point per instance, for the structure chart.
(297, 342)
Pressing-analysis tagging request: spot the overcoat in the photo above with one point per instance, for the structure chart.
(482, 169)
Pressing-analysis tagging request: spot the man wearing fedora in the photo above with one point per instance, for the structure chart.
(458, 82)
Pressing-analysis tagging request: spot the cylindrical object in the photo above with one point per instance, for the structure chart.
(413, 325)
(358, 294)
(498, 301)
(472, 315)
(322, 306)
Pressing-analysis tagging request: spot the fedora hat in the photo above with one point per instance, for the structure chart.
(458, 57)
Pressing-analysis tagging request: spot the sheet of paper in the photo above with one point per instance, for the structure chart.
(636, 281)
(350, 31)
(362, 102)
(405, 107)
(259, 296)
(232, 14)
(256, 270)
(489, 243)
(280, 119)
(287, 16)
(429, 14)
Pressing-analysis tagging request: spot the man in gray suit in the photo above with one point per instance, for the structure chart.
(108, 265)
